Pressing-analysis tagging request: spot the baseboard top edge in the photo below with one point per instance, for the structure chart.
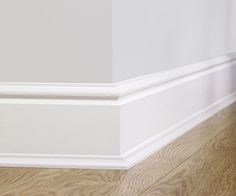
(107, 92)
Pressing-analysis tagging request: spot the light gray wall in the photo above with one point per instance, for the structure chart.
(155, 35)
(55, 41)
(74, 41)
(232, 26)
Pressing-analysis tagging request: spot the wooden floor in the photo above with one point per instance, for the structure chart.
(201, 163)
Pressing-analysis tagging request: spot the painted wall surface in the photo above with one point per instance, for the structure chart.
(232, 26)
(91, 41)
(55, 41)
(155, 35)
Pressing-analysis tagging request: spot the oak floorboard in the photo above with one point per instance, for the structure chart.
(211, 171)
(165, 160)
(72, 182)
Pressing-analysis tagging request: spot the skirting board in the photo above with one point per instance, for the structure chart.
(109, 126)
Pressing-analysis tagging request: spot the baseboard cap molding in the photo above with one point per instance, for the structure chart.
(111, 92)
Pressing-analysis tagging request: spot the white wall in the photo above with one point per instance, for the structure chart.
(76, 41)
(232, 26)
(155, 35)
(55, 41)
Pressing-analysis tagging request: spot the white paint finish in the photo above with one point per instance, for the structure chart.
(117, 133)
(150, 36)
(153, 144)
(144, 118)
(111, 94)
(77, 41)
(63, 161)
(124, 161)
(232, 26)
(58, 128)
(61, 41)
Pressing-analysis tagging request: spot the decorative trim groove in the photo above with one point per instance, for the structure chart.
(113, 91)
(94, 125)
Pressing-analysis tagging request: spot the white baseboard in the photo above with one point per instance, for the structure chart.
(167, 136)
(109, 126)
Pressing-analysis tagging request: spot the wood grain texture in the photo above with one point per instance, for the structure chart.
(202, 163)
(210, 171)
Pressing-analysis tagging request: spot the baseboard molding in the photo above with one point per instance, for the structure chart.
(62, 161)
(109, 126)
(167, 136)
(124, 161)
